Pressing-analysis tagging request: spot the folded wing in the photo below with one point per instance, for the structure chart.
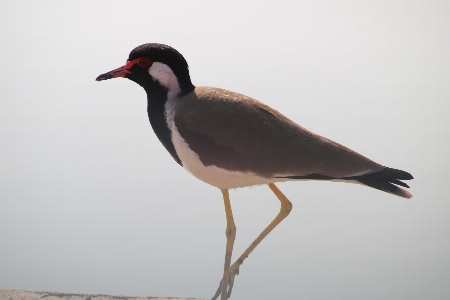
(238, 133)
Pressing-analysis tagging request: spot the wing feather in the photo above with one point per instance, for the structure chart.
(238, 133)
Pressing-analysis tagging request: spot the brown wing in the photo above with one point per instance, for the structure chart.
(238, 133)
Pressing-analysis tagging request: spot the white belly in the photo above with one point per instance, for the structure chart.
(215, 176)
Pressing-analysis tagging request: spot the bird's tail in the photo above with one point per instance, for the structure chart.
(386, 180)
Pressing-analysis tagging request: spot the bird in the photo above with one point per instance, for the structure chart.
(229, 140)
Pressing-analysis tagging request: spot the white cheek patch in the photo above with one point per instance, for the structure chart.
(165, 76)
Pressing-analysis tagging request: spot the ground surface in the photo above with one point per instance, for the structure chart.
(32, 295)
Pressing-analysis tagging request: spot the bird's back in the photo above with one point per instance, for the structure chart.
(238, 133)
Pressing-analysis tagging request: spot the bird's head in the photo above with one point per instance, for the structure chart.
(151, 64)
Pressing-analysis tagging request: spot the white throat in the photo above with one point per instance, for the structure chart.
(165, 76)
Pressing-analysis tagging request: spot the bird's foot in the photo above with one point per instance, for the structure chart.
(232, 271)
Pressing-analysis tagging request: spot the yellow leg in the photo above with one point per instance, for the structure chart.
(230, 233)
(286, 207)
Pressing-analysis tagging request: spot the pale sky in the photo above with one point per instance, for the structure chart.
(91, 202)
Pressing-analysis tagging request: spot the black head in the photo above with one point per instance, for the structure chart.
(150, 63)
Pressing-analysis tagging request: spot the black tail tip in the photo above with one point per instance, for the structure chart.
(387, 181)
(398, 174)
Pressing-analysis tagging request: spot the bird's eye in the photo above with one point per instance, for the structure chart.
(145, 62)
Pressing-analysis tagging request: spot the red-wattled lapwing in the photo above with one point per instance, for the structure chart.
(230, 140)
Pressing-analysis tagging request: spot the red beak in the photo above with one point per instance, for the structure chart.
(119, 72)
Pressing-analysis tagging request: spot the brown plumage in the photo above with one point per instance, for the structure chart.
(238, 133)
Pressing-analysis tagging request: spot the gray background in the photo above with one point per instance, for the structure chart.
(91, 202)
